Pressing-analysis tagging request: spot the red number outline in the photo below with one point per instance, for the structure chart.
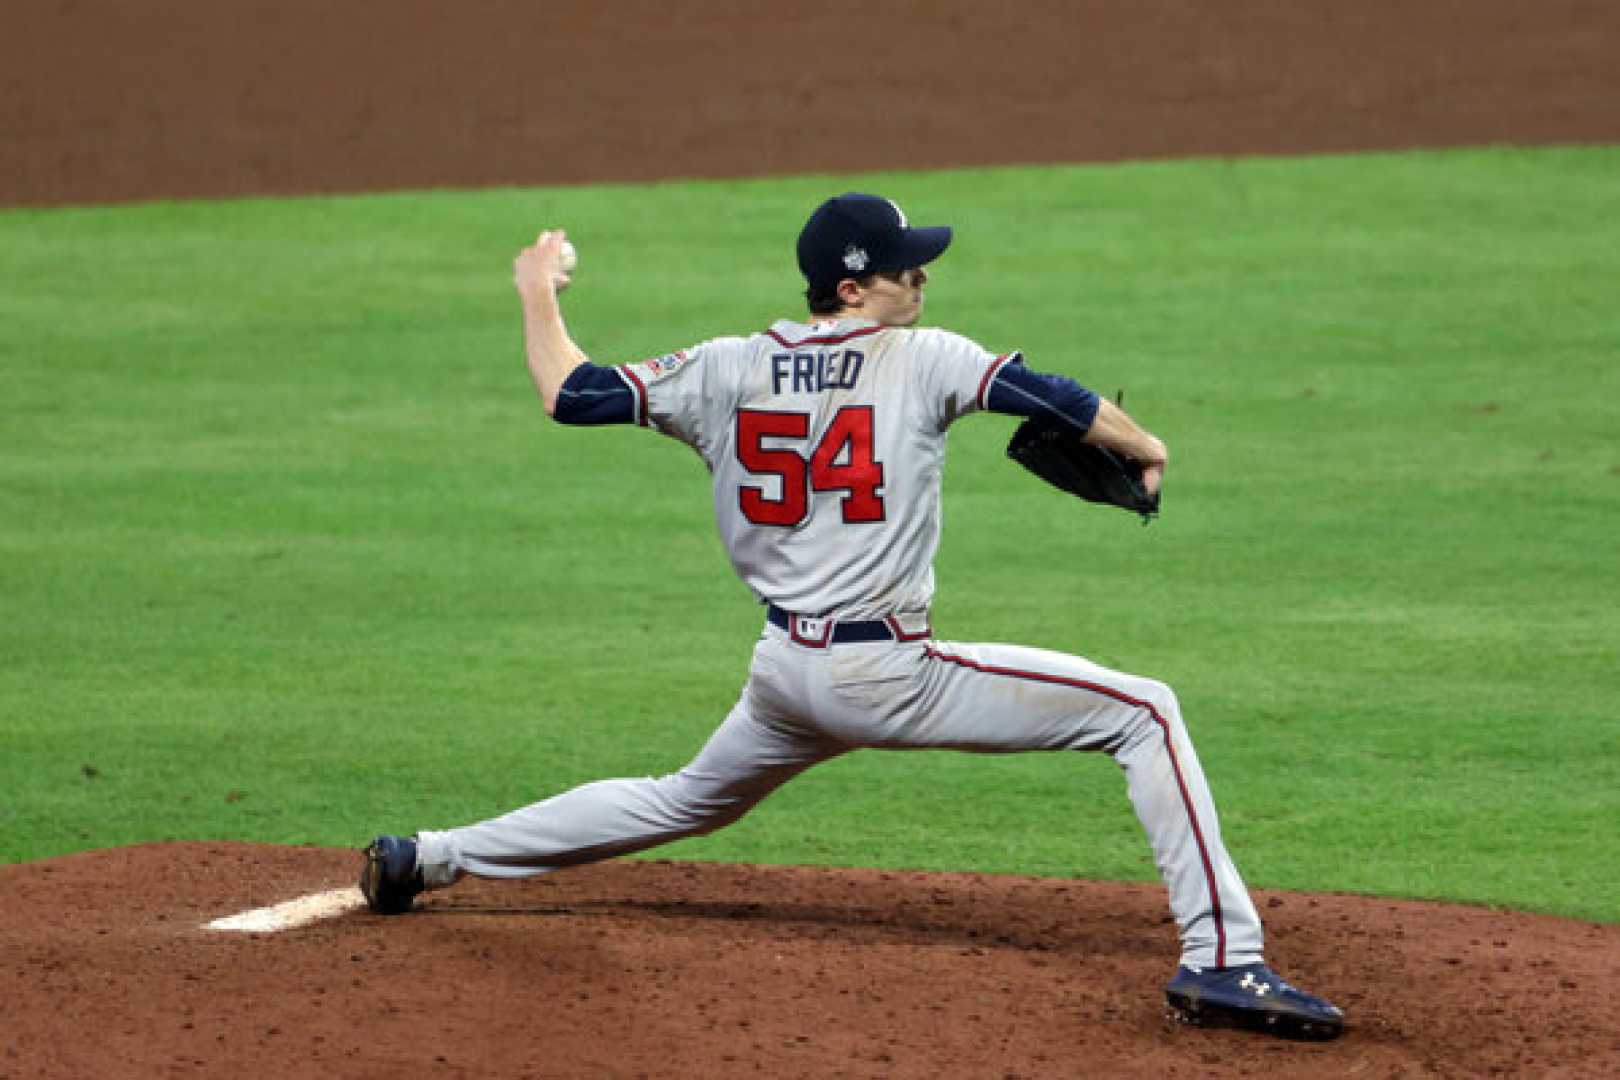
(850, 435)
(753, 427)
(861, 475)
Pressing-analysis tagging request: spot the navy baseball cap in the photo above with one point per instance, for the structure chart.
(852, 235)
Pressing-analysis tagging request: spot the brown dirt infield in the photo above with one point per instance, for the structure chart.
(102, 101)
(666, 969)
(692, 970)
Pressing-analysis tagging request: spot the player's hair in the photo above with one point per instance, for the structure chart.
(824, 299)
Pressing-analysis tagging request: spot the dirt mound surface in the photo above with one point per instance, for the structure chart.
(174, 98)
(666, 969)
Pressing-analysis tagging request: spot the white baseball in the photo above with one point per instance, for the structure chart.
(569, 257)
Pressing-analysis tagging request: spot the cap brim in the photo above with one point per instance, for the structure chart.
(920, 246)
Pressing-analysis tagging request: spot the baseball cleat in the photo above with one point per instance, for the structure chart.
(390, 880)
(1251, 996)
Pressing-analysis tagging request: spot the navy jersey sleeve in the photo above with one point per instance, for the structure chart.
(593, 394)
(1017, 391)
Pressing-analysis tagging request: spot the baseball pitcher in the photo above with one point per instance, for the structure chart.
(825, 439)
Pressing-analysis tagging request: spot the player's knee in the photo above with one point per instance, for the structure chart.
(1159, 703)
(1163, 698)
(706, 816)
(1156, 716)
(696, 808)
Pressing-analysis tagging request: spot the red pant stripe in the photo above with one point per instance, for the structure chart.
(1169, 745)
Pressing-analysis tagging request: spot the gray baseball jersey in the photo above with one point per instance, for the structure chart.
(826, 444)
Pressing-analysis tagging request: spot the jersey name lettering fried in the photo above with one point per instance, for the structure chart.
(812, 372)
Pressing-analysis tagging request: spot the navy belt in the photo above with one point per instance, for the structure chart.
(818, 633)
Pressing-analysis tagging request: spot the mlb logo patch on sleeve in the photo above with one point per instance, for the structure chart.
(666, 365)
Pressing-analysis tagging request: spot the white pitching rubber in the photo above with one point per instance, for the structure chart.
(292, 914)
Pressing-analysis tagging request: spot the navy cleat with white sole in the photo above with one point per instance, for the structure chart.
(1251, 996)
(389, 880)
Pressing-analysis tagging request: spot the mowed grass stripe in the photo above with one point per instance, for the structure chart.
(289, 553)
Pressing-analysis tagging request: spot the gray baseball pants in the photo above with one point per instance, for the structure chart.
(805, 705)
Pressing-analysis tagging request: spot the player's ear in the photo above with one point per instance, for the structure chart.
(851, 292)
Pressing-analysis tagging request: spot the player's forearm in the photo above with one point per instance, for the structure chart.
(1114, 428)
(552, 354)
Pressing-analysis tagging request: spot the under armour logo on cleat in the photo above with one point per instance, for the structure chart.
(1255, 986)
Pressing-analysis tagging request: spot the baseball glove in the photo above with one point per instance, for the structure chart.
(1094, 473)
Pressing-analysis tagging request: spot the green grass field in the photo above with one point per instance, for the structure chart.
(289, 553)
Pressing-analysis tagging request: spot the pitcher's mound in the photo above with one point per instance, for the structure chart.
(668, 969)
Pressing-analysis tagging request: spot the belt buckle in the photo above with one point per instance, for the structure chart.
(811, 633)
